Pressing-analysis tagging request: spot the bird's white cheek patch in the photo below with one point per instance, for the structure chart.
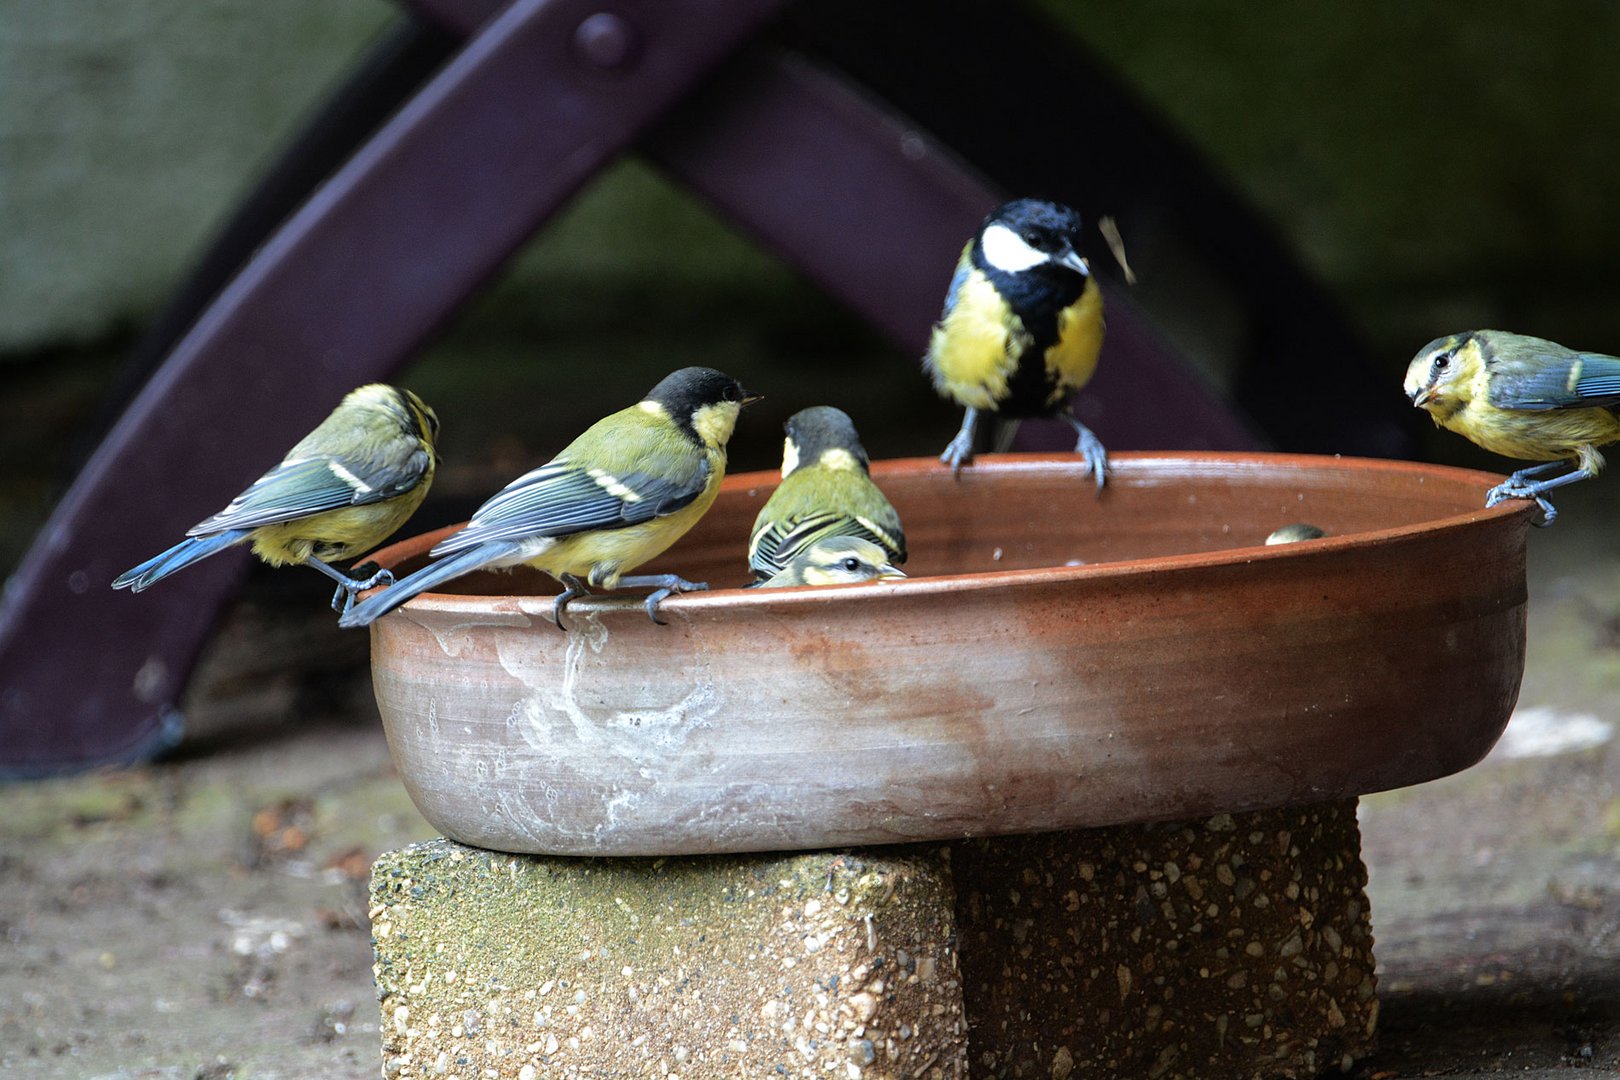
(714, 423)
(839, 458)
(1006, 251)
(790, 457)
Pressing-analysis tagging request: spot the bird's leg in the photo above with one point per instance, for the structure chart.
(961, 447)
(572, 588)
(1090, 447)
(1535, 470)
(348, 587)
(663, 585)
(1518, 486)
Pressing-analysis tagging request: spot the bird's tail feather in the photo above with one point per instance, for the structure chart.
(182, 555)
(373, 608)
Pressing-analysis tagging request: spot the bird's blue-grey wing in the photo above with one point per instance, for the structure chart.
(292, 490)
(299, 487)
(964, 267)
(559, 499)
(1560, 379)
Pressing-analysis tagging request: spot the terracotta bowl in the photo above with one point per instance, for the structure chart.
(1057, 660)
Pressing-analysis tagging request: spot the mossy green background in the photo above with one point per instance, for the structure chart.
(1439, 164)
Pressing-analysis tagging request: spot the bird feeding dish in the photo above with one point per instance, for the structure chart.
(1056, 660)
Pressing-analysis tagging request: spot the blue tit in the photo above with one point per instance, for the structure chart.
(1022, 326)
(345, 488)
(1521, 397)
(826, 490)
(835, 560)
(617, 496)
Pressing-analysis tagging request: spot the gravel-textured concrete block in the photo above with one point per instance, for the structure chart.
(823, 965)
(1234, 947)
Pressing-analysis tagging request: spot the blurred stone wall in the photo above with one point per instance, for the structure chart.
(128, 127)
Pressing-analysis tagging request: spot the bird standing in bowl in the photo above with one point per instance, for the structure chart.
(1021, 328)
(835, 560)
(826, 491)
(619, 495)
(1521, 397)
(345, 488)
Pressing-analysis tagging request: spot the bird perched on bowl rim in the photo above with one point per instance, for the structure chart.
(345, 488)
(1521, 397)
(1022, 326)
(826, 491)
(835, 560)
(615, 497)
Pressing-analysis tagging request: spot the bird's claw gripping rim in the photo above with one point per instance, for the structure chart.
(343, 597)
(1512, 490)
(959, 452)
(667, 584)
(1091, 448)
(572, 589)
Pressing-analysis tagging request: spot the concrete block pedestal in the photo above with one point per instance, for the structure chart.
(1236, 946)
(815, 964)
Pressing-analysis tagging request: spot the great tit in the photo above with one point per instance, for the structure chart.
(1522, 397)
(345, 488)
(617, 496)
(1022, 326)
(826, 491)
(835, 560)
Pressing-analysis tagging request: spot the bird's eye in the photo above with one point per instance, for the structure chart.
(1033, 238)
(1442, 362)
(852, 564)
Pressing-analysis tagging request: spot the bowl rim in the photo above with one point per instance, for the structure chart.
(1150, 462)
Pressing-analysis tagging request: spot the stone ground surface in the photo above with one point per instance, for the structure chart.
(206, 917)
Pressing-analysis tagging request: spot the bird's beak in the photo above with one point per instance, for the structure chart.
(749, 399)
(1072, 259)
(1422, 398)
(890, 572)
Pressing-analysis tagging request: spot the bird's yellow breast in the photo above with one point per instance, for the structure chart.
(975, 349)
(602, 556)
(1073, 360)
(1543, 435)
